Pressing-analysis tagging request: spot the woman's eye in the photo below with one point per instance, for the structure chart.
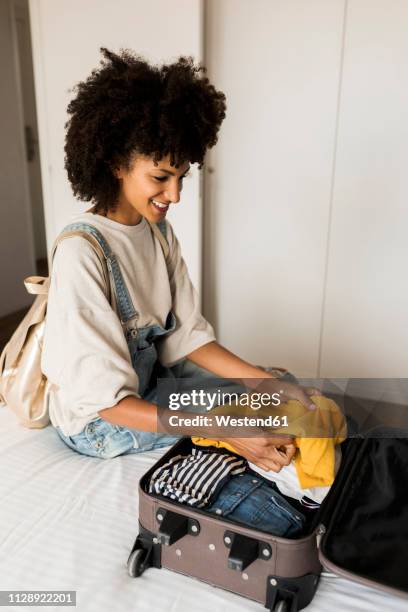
(164, 178)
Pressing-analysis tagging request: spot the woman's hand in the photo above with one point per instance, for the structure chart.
(270, 454)
(288, 391)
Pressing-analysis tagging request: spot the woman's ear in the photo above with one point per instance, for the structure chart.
(117, 172)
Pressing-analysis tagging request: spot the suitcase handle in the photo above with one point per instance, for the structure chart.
(175, 526)
(244, 550)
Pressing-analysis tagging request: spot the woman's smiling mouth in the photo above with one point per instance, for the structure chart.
(159, 206)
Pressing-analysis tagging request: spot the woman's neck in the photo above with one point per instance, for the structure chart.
(128, 216)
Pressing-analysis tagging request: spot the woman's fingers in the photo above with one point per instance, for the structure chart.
(286, 453)
(270, 454)
(268, 466)
(258, 448)
(306, 401)
(279, 457)
(312, 391)
(301, 394)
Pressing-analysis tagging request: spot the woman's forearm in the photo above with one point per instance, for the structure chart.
(223, 363)
(132, 412)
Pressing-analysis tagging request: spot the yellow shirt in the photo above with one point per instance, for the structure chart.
(315, 456)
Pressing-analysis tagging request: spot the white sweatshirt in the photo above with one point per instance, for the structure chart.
(85, 355)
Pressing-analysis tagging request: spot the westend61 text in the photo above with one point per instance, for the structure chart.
(222, 420)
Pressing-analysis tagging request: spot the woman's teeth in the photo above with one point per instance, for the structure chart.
(160, 205)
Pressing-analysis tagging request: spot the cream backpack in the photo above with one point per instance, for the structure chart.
(23, 386)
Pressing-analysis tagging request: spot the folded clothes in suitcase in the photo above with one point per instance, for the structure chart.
(359, 532)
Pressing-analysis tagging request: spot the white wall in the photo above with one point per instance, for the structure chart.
(268, 200)
(16, 240)
(67, 35)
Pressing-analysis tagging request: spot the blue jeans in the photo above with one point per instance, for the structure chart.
(105, 440)
(254, 502)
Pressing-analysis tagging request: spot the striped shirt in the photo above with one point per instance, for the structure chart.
(196, 479)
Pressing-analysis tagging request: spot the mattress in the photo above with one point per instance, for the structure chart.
(68, 522)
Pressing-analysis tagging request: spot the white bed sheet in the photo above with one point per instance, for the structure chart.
(67, 522)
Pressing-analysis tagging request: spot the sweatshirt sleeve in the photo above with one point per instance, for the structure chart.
(192, 330)
(85, 351)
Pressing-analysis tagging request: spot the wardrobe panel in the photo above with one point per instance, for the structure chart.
(365, 331)
(17, 255)
(268, 181)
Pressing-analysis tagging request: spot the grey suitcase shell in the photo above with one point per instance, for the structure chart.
(222, 552)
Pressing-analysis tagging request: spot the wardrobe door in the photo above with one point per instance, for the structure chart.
(17, 254)
(269, 178)
(365, 330)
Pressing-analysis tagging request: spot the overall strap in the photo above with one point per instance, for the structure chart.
(123, 303)
(160, 231)
(117, 291)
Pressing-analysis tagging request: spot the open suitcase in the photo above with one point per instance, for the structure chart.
(360, 532)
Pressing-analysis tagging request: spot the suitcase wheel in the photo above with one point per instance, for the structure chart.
(281, 606)
(136, 564)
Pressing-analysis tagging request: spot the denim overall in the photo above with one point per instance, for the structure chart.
(99, 437)
(247, 498)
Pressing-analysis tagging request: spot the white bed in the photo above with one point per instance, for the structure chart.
(67, 522)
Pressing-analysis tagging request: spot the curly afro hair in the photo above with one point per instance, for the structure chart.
(128, 106)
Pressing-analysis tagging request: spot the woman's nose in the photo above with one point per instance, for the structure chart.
(173, 193)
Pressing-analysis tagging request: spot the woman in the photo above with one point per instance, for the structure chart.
(133, 132)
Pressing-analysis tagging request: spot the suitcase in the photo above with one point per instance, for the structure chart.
(360, 532)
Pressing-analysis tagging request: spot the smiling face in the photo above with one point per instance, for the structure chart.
(147, 190)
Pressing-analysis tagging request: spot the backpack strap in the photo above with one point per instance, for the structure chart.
(69, 233)
(39, 285)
